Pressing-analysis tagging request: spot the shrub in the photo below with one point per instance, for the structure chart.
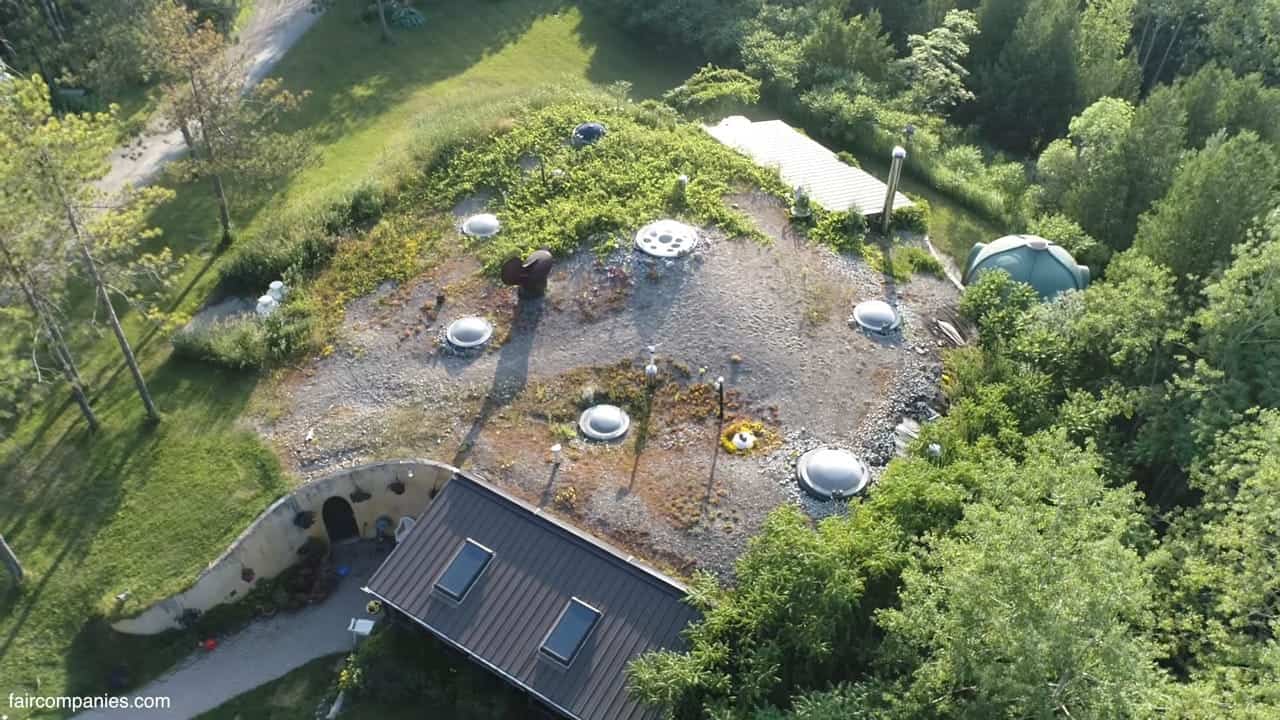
(841, 231)
(714, 92)
(296, 241)
(913, 218)
(361, 209)
(910, 260)
(238, 343)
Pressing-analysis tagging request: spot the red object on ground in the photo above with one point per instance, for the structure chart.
(210, 644)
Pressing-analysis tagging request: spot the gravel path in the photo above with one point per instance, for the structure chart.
(262, 652)
(272, 29)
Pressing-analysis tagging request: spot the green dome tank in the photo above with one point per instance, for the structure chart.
(1045, 266)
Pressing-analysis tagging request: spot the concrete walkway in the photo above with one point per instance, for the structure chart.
(272, 29)
(262, 652)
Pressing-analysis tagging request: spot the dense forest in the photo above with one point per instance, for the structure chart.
(1096, 538)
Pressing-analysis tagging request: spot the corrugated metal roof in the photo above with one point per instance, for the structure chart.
(803, 161)
(538, 566)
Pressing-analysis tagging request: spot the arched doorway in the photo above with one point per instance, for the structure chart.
(339, 520)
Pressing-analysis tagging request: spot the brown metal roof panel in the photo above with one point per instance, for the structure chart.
(538, 565)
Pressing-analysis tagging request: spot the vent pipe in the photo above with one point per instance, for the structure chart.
(895, 174)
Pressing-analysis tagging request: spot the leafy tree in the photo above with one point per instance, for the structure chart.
(860, 701)
(1215, 196)
(1106, 68)
(936, 63)
(95, 46)
(54, 162)
(837, 48)
(1217, 571)
(1234, 368)
(16, 269)
(1217, 99)
(1030, 87)
(229, 130)
(1036, 603)
(996, 303)
(1245, 35)
(1154, 147)
(798, 617)
(1085, 174)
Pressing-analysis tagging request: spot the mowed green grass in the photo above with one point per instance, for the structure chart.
(143, 509)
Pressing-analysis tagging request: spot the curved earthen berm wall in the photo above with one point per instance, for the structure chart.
(271, 543)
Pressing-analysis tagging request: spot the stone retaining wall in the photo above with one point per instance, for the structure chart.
(271, 543)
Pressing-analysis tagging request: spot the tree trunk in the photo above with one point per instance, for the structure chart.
(382, 20)
(60, 349)
(224, 211)
(1159, 68)
(52, 20)
(219, 191)
(186, 136)
(10, 560)
(125, 348)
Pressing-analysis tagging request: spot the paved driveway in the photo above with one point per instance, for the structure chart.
(261, 652)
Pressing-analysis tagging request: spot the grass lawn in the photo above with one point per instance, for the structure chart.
(143, 509)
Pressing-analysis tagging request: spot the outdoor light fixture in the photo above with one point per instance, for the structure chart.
(720, 394)
(556, 452)
(651, 370)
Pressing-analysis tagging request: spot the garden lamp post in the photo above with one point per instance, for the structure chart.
(651, 370)
(720, 394)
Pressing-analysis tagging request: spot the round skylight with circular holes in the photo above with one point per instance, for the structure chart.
(483, 225)
(469, 332)
(604, 422)
(831, 474)
(667, 239)
(876, 316)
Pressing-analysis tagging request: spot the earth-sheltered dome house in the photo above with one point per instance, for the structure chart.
(1047, 267)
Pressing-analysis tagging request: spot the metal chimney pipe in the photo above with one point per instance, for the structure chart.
(895, 174)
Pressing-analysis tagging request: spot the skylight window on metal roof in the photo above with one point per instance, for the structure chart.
(571, 631)
(465, 568)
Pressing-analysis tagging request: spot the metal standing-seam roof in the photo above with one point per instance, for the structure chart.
(538, 567)
(804, 162)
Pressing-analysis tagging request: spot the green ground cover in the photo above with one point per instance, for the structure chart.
(142, 509)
